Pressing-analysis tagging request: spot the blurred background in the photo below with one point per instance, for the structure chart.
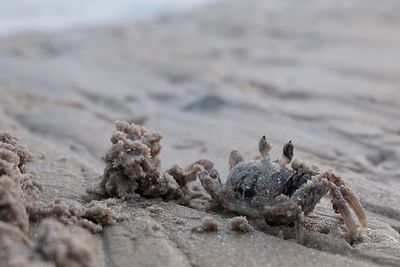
(46, 15)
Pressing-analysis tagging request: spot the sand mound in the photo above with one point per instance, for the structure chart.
(240, 224)
(56, 244)
(133, 168)
(11, 143)
(13, 179)
(208, 224)
(92, 216)
(132, 165)
(15, 247)
(13, 204)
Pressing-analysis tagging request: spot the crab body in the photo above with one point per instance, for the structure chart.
(256, 184)
(259, 177)
(279, 193)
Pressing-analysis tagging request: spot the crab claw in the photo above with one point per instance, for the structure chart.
(339, 205)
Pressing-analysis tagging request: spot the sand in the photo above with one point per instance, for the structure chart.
(211, 81)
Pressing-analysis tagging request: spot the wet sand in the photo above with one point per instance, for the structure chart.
(213, 80)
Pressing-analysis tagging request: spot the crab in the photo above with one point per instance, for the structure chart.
(282, 191)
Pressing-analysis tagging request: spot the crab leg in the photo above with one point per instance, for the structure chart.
(234, 158)
(303, 168)
(355, 205)
(300, 228)
(310, 194)
(339, 205)
(350, 197)
(212, 186)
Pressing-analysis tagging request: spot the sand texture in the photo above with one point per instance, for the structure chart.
(215, 79)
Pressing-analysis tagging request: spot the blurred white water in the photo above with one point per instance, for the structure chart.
(50, 15)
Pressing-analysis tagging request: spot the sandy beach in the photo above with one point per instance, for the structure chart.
(325, 75)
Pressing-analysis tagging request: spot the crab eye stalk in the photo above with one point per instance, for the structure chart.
(288, 150)
(264, 147)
